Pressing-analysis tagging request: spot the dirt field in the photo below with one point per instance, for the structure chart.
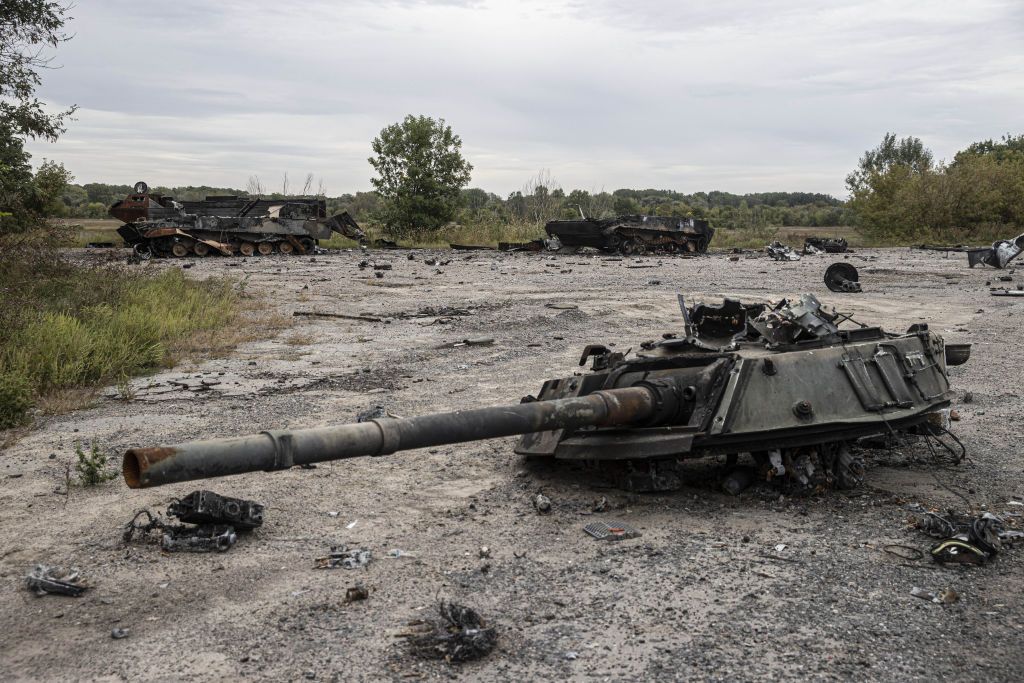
(706, 593)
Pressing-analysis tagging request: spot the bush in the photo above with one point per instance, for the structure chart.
(15, 400)
(91, 466)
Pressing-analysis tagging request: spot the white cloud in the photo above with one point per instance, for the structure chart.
(737, 95)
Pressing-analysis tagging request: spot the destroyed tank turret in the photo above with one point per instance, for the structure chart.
(780, 382)
(157, 225)
(634, 234)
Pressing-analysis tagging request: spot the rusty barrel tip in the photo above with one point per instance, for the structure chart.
(137, 460)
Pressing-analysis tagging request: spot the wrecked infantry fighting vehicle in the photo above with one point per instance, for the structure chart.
(634, 234)
(155, 225)
(781, 382)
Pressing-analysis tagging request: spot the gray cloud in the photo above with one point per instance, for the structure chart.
(737, 95)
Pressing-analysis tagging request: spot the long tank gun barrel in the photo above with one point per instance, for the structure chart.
(282, 449)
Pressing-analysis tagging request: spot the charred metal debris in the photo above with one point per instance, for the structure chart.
(842, 277)
(457, 634)
(998, 255)
(45, 579)
(781, 252)
(826, 245)
(211, 523)
(967, 539)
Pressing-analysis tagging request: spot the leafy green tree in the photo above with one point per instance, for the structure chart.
(909, 152)
(27, 29)
(421, 171)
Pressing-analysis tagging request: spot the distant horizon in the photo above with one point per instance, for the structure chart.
(738, 94)
(329, 193)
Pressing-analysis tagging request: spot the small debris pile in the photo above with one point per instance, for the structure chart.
(341, 556)
(45, 579)
(459, 635)
(210, 523)
(781, 252)
(966, 539)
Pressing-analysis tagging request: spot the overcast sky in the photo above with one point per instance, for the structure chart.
(736, 95)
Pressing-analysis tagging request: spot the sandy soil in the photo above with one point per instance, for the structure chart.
(703, 595)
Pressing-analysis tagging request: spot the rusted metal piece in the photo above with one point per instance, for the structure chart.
(157, 225)
(634, 234)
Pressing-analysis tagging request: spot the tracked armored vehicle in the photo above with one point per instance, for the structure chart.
(156, 225)
(780, 384)
(634, 234)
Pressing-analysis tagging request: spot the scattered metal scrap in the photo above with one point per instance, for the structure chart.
(966, 539)
(344, 557)
(781, 252)
(998, 255)
(459, 635)
(1003, 291)
(45, 579)
(842, 277)
(827, 245)
(211, 523)
(611, 531)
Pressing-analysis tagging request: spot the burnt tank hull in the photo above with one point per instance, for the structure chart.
(780, 383)
(634, 234)
(157, 225)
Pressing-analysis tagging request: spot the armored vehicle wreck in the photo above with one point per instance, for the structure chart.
(781, 382)
(634, 234)
(156, 225)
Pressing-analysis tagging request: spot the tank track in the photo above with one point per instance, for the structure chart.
(631, 241)
(184, 244)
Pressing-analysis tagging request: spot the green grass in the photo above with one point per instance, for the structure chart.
(71, 327)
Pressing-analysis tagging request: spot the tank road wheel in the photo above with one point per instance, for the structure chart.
(308, 245)
(671, 248)
(247, 248)
(180, 249)
(201, 249)
(628, 247)
(702, 245)
(614, 242)
(265, 248)
(286, 247)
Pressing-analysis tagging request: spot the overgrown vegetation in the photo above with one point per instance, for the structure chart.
(76, 326)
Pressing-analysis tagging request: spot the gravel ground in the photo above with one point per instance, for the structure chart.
(706, 593)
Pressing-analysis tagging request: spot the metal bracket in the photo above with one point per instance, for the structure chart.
(284, 452)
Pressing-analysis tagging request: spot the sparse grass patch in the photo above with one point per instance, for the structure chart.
(300, 339)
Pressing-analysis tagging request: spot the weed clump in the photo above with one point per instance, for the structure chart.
(15, 400)
(91, 466)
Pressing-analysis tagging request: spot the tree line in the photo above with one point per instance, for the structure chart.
(899, 193)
